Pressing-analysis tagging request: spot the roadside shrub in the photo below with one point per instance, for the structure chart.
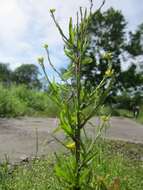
(20, 101)
(10, 105)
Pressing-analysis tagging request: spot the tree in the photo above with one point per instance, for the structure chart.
(5, 74)
(107, 34)
(132, 87)
(135, 45)
(27, 74)
(131, 79)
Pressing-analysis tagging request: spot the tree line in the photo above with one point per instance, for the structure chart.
(26, 74)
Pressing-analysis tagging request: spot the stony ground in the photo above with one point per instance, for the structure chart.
(23, 137)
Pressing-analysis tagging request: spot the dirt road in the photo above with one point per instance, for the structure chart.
(19, 139)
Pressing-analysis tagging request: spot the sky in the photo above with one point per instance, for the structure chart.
(25, 25)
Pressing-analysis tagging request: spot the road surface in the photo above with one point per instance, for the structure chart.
(19, 139)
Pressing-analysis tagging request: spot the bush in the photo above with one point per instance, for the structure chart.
(20, 101)
(10, 105)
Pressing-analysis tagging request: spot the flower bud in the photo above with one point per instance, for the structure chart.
(52, 10)
(40, 60)
(45, 46)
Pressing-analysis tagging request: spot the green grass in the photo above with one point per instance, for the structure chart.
(114, 160)
(123, 113)
(140, 118)
(129, 114)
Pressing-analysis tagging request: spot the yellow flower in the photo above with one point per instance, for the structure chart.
(109, 72)
(107, 55)
(45, 46)
(71, 146)
(105, 118)
(41, 60)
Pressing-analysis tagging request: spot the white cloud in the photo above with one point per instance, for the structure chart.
(13, 21)
(26, 25)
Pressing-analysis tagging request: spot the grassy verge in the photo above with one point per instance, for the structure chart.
(123, 113)
(19, 101)
(114, 160)
(129, 114)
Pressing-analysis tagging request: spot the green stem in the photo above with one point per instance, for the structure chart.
(77, 185)
(78, 128)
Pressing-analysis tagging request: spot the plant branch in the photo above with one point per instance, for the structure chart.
(59, 28)
(56, 71)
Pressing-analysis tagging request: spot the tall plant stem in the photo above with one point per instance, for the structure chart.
(78, 129)
(77, 185)
(78, 125)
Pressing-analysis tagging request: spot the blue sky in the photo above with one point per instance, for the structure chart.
(25, 25)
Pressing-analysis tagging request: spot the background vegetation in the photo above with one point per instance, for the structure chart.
(20, 100)
(107, 32)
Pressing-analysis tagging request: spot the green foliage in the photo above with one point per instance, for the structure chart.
(4, 175)
(20, 101)
(135, 46)
(108, 166)
(74, 101)
(140, 118)
(5, 74)
(128, 85)
(27, 74)
(10, 105)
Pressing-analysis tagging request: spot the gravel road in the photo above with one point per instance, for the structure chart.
(19, 139)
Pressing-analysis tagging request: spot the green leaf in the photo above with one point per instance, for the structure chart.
(69, 54)
(67, 74)
(71, 32)
(87, 60)
(64, 124)
(85, 14)
(60, 172)
(64, 169)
